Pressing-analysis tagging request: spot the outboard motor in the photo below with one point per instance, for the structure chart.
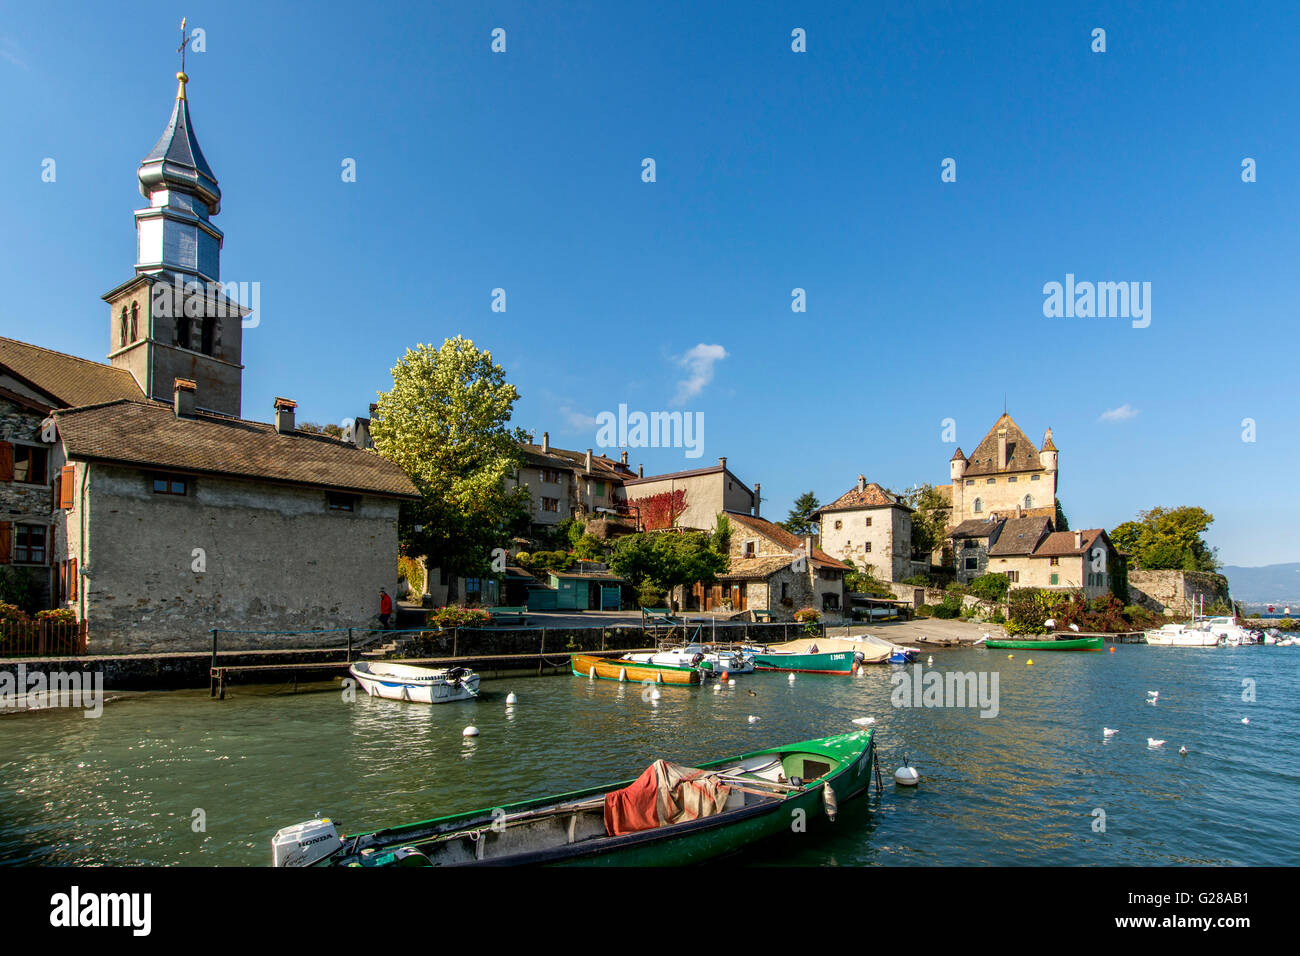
(305, 843)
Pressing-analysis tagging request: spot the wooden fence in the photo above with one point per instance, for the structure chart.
(42, 638)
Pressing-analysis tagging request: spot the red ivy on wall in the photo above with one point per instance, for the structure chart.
(662, 510)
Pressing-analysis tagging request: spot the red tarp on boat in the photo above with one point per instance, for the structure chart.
(666, 793)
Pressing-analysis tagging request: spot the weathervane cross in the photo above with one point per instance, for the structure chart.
(184, 43)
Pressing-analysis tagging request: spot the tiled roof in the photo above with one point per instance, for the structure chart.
(749, 569)
(977, 528)
(1020, 536)
(783, 538)
(601, 465)
(68, 379)
(712, 470)
(1061, 543)
(872, 496)
(149, 435)
(1022, 455)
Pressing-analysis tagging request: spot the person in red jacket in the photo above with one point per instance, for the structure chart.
(385, 607)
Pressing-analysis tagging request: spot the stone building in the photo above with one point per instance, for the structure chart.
(870, 527)
(136, 492)
(971, 541)
(567, 484)
(772, 570)
(708, 493)
(1006, 472)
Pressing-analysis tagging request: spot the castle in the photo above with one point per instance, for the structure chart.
(1006, 476)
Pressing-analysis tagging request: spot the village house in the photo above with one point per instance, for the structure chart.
(871, 528)
(970, 546)
(570, 484)
(1084, 561)
(772, 570)
(703, 493)
(164, 513)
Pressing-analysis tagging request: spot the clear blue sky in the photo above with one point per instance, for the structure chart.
(775, 170)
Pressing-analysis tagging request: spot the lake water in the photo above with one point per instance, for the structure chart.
(1019, 788)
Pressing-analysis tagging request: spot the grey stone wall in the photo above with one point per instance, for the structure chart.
(272, 557)
(1175, 592)
(28, 503)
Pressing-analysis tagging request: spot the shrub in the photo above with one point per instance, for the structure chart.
(647, 595)
(59, 615)
(809, 618)
(453, 616)
(410, 569)
(11, 612)
(990, 587)
(917, 580)
(924, 610)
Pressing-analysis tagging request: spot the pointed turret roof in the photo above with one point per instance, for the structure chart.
(958, 455)
(176, 160)
(1047, 441)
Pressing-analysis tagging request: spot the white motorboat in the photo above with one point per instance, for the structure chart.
(1182, 635)
(424, 685)
(698, 655)
(1229, 631)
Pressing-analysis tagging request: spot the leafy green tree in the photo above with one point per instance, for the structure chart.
(990, 587)
(589, 548)
(1168, 539)
(930, 514)
(445, 422)
(1062, 522)
(800, 521)
(668, 560)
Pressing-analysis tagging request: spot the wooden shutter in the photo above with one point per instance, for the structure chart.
(6, 541)
(72, 579)
(66, 476)
(6, 461)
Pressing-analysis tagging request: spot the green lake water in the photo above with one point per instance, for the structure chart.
(1019, 788)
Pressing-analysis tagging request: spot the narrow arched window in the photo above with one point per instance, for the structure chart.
(1029, 502)
(122, 330)
(135, 321)
(979, 506)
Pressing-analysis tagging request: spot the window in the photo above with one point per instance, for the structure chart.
(121, 335)
(1054, 562)
(1029, 501)
(208, 335)
(785, 591)
(970, 482)
(598, 489)
(990, 481)
(972, 564)
(1011, 480)
(168, 485)
(31, 464)
(867, 547)
(339, 502)
(29, 544)
(750, 548)
(1034, 477)
(1056, 579)
(550, 476)
(1013, 576)
(839, 525)
(979, 506)
(182, 331)
(868, 522)
(135, 321)
(551, 504)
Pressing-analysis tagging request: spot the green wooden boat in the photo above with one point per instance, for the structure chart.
(773, 791)
(1047, 644)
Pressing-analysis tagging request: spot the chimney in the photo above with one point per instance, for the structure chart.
(640, 471)
(546, 443)
(284, 415)
(589, 464)
(1019, 512)
(758, 498)
(623, 459)
(1078, 541)
(374, 407)
(722, 463)
(862, 482)
(361, 433)
(807, 549)
(184, 393)
(1002, 449)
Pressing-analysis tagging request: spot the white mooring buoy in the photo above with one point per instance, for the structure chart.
(470, 731)
(791, 678)
(511, 698)
(753, 719)
(654, 694)
(906, 776)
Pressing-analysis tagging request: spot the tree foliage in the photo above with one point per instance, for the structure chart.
(930, 514)
(1062, 523)
(445, 422)
(1168, 539)
(800, 521)
(667, 560)
(660, 512)
(990, 587)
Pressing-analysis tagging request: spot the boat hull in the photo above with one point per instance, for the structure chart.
(1072, 644)
(833, 662)
(427, 690)
(620, 669)
(850, 757)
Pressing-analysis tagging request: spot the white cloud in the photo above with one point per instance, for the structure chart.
(1121, 414)
(576, 419)
(698, 363)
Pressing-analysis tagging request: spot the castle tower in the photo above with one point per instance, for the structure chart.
(173, 319)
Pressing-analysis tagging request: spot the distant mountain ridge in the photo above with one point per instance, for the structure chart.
(1268, 584)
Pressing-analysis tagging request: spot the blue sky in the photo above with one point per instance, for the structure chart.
(775, 170)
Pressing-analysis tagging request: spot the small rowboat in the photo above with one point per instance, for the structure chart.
(1048, 644)
(669, 816)
(622, 669)
(702, 656)
(424, 685)
(821, 656)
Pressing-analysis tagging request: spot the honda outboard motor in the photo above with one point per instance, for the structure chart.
(305, 843)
